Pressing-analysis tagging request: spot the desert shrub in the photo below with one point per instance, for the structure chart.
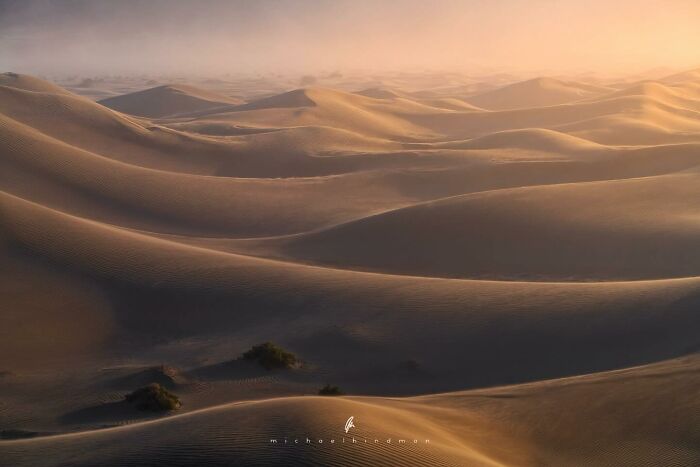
(271, 356)
(153, 397)
(329, 390)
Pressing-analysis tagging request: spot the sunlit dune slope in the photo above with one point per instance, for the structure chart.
(683, 77)
(448, 103)
(582, 119)
(90, 126)
(30, 83)
(679, 96)
(328, 107)
(538, 92)
(70, 179)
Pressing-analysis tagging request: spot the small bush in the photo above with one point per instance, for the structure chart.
(271, 356)
(153, 397)
(329, 390)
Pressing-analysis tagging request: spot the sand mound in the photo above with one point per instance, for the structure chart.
(495, 427)
(328, 107)
(525, 233)
(180, 278)
(169, 100)
(70, 179)
(382, 93)
(296, 98)
(537, 92)
(644, 110)
(670, 95)
(29, 83)
(683, 77)
(536, 139)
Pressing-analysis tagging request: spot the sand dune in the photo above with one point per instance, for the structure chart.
(537, 92)
(683, 77)
(496, 427)
(448, 103)
(90, 126)
(29, 83)
(678, 96)
(535, 139)
(630, 230)
(586, 120)
(328, 107)
(148, 269)
(401, 244)
(81, 182)
(169, 100)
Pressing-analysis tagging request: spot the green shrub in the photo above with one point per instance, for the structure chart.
(153, 397)
(271, 356)
(329, 390)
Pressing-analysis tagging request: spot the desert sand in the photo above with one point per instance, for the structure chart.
(505, 269)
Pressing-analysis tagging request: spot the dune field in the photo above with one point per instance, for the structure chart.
(497, 272)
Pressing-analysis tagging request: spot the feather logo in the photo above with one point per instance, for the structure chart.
(349, 424)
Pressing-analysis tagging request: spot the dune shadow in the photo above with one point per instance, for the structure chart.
(107, 413)
(231, 370)
(166, 376)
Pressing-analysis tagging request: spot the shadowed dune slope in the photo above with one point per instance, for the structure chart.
(168, 100)
(611, 230)
(530, 425)
(390, 317)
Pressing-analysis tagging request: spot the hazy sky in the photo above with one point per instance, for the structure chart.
(131, 36)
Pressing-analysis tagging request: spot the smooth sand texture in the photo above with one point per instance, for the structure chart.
(509, 271)
(168, 100)
(536, 92)
(533, 424)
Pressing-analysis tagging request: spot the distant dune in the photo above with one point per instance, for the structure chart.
(680, 96)
(168, 100)
(537, 92)
(437, 102)
(30, 83)
(683, 77)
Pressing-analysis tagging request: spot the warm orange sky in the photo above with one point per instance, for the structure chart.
(225, 36)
